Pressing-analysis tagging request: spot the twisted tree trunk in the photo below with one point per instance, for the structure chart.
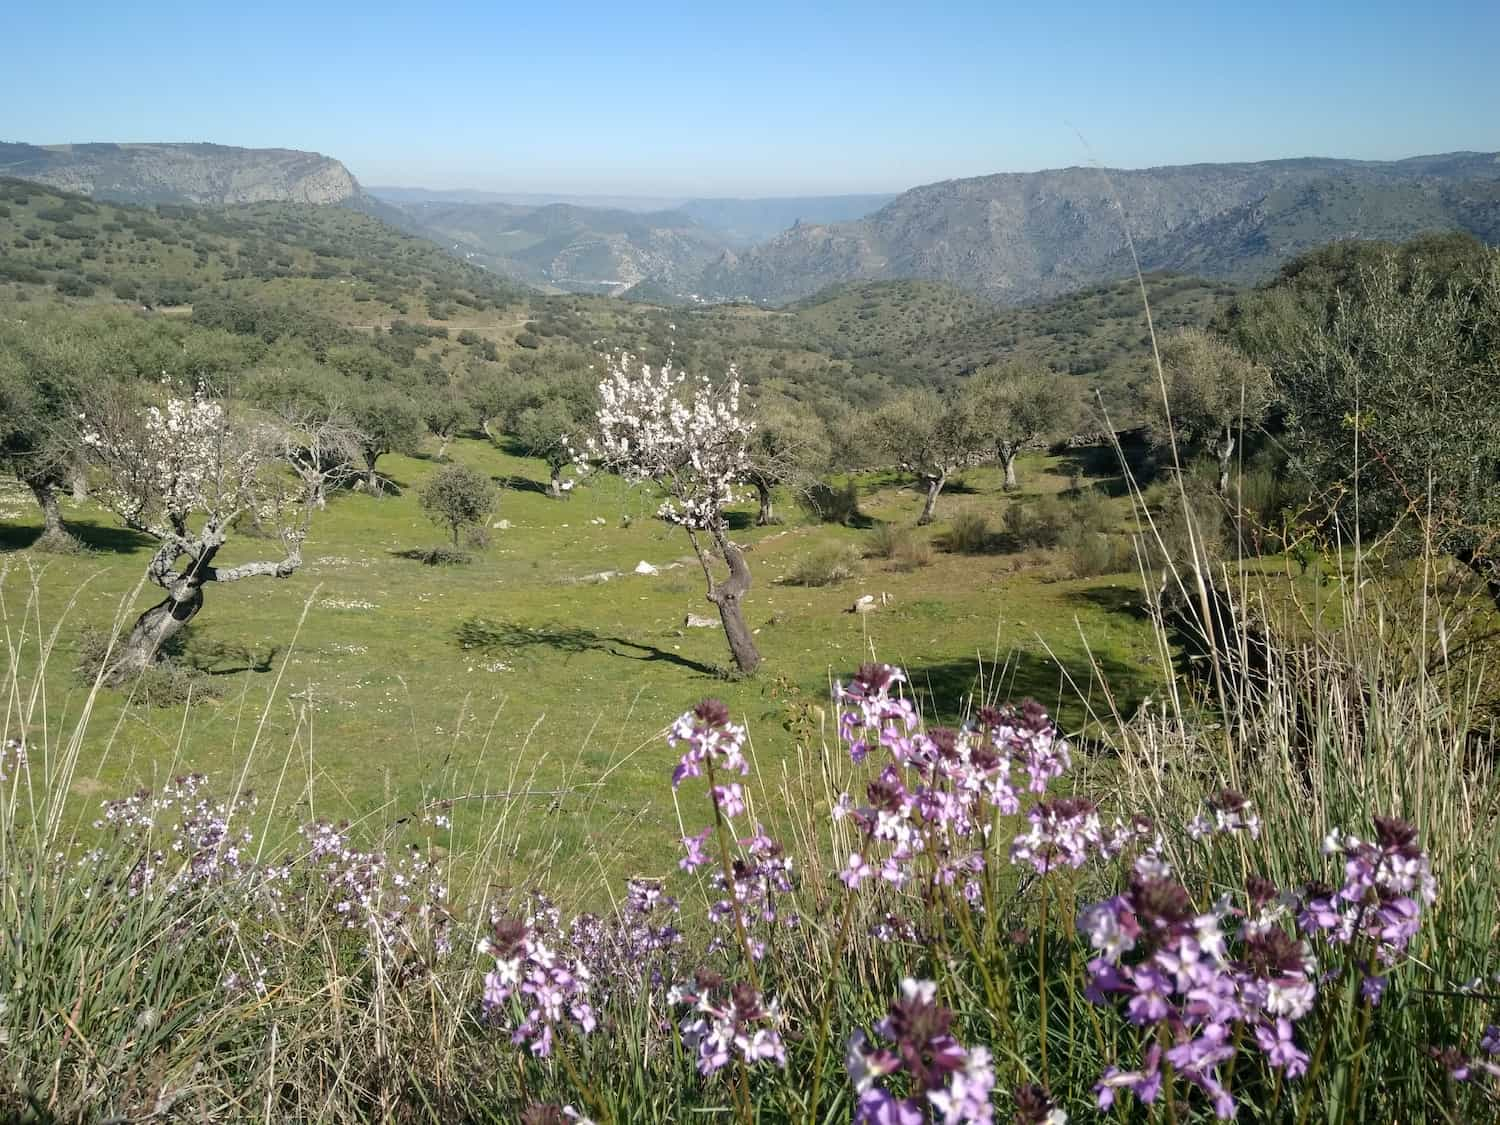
(765, 517)
(45, 492)
(1008, 453)
(1225, 450)
(933, 483)
(727, 597)
(143, 645)
(554, 485)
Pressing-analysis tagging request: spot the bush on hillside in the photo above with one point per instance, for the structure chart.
(825, 566)
(1036, 523)
(968, 534)
(830, 503)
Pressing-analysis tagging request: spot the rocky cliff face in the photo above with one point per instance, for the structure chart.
(183, 173)
(1024, 236)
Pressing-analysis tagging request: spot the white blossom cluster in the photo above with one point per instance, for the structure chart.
(688, 436)
(184, 459)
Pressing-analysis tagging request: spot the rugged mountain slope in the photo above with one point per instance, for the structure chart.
(1019, 237)
(937, 332)
(576, 249)
(182, 173)
(346, 264)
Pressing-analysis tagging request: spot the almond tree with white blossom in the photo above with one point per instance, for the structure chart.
(691, 438)
(184, 473)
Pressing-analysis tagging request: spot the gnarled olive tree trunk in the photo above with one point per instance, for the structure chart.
(1009, 451)
(766, 516)
(45, 492)
(933, 483)
(728, 595)
(1224, 448)
(142, 646)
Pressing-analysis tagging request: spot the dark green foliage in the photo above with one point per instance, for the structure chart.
(388, 422)
(197, 247)
(1386, 360)
(831, 503)
(458, 497)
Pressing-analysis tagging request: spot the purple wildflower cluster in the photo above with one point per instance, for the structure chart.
(185, 836)
(1463, 1067)
(710, 739)
(944, 1081)
(184, 840)
(1182, 977)
(938, 791)
(755, 885)
(1198, 984)
(729, 1020)
(396, 901)
(546, 975)
(1227, 812)
(538, 1113)
(533, 988)
(1378, 906)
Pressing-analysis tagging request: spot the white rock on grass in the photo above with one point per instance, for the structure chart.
(643, 567)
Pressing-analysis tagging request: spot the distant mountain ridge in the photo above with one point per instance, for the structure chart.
(565, 247)
(1020, 237)
(745, 221)
(182, 173)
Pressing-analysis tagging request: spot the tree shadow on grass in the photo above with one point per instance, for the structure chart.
(207, 657)
(958, 486)
(950, 691)
(479, 635)
(517, 483)
(94, 536)
(1126, 599)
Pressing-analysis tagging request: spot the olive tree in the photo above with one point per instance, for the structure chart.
(445, 414)
(1213, 391)
(691, 439)
(388, 422)
(1393, 401)
(184, 473)
(553, 422)
(38, 441)
(458, 497)
(926, 436)
(790, 446)
(1018, 406)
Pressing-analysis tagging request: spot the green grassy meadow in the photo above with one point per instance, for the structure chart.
(370, 687)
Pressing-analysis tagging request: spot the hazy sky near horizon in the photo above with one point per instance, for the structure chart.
(764, 98)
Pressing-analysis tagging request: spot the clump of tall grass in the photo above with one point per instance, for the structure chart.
(826, 565)
(968, 534)
(1038, 523)
(901, 546)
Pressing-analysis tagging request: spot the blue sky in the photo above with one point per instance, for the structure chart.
(764, 98)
